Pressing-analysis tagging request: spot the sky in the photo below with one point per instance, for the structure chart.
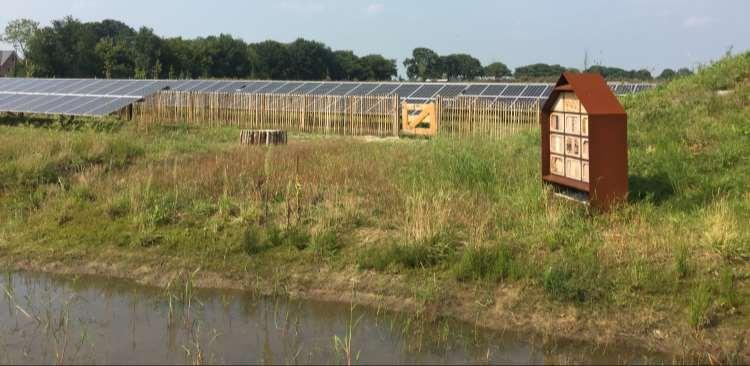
(632, 34)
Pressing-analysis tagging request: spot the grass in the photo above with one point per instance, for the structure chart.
(462, 212)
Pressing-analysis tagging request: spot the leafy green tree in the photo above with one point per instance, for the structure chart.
(379, 68)
(460, 67)
(684, 72)
(147, 50)
(347, 66)
(539, 71)
(67, 48)
(273, 60)
(309, 60)
(18, 33)
(115, 54)
(424, 64)
(497, 70)
(224, 57)
(667, 74)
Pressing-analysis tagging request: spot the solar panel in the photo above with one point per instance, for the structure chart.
(252, 87)
(326, 88)
(289, 88)
(452, 90)
(494, 90)
(115, 105)
(475, 89)
(547, 91)
(270, 87)
(427, 91)
(306, 88)
(344, 89)
(623, 89)
(363, 89)
(44, 106)
(642, 87)
(513, 90)
(231, 86)
(406, 90)
(533, 90)
(383, 89)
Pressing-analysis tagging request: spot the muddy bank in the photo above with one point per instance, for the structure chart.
(503, 308)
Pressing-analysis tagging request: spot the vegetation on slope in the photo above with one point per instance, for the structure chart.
(424, 220)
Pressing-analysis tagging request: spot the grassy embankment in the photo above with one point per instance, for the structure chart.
(461, 228)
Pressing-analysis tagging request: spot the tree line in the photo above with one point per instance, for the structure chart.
(426, 64)
(112, 49)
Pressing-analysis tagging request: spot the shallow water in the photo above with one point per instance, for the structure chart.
(84, 319)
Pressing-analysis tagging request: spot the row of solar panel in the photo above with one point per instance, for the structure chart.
(413, 91)
(101, 96)
(63, 104)
(99, 87)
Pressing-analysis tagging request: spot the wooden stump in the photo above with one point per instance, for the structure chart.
(263, 137)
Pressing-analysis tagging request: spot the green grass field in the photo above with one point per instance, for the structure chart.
(420, 220)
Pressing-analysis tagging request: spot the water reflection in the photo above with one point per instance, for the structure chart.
(52, 319)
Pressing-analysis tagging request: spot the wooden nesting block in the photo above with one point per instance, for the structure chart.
(263, 137)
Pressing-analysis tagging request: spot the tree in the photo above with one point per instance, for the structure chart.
(273, 60)
(18, 33)
(116, 57)
(147, 51)
(684, 72)
(497, 70)
(667, 74)
(224, 56)
(112, 49)
(539, 71)
(616, 73)
(460, 67)
(424, 64)
(347, 66)
(378, 67)
(309, 60)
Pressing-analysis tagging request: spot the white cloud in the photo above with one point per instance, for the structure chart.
(697, 21)
(374, 9)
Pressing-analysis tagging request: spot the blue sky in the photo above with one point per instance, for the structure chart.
(626, 33)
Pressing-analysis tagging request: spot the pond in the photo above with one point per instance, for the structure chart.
(84, 319)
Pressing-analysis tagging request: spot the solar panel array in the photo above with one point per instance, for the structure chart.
(97, 97)
(79, 97)
(411, 92)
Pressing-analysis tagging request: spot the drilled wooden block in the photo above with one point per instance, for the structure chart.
(263, 137)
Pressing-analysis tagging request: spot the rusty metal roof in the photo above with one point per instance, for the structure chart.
(593, 91)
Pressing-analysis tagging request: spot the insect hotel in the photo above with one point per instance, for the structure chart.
(584, 141)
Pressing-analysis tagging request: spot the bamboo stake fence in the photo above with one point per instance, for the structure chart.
(332, 114)
(477, 117)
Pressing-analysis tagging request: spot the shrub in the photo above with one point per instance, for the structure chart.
(700, 315)
(252, 240)
(326, 244)
(118, 207)
(575, 276)
(682, 264)
(298, 238)
(486, 263)
(422, 254)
